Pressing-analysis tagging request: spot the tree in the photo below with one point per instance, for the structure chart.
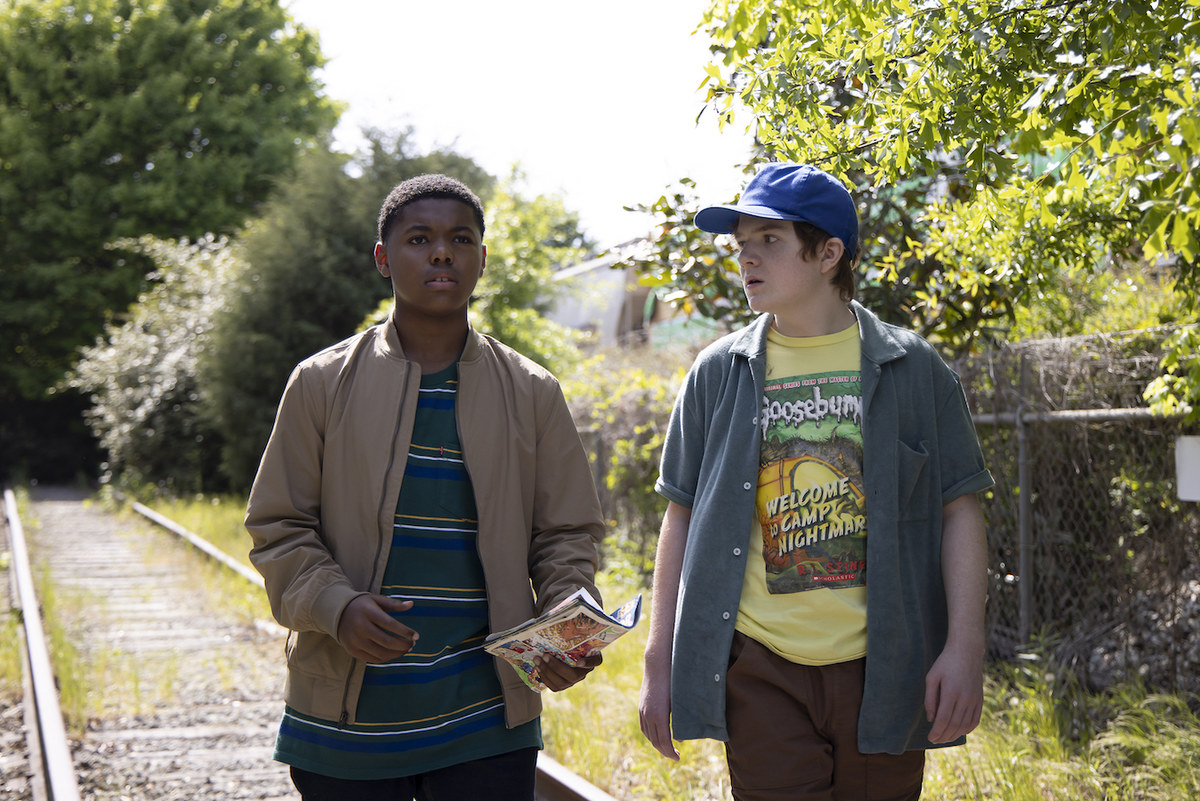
(142, 377)
(695, 273)
(528, 239)
(119, 119)
(1047, 136)
(309, 282)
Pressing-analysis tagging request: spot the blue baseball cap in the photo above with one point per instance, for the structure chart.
(790, 192)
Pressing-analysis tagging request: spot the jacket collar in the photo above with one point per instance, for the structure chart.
(879, 341)
(387, 342)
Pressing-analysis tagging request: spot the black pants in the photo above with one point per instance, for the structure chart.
(507, 777)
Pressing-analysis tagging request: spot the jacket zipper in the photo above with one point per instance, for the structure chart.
(345, 716)
(462, 445)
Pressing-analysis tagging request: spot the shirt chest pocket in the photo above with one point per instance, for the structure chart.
(916, 490)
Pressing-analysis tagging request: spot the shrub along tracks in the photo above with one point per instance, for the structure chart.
(180, 695)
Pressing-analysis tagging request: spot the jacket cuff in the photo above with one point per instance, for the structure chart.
(328, 606)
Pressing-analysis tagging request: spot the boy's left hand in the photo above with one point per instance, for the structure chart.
(558, 675)
(954, 694)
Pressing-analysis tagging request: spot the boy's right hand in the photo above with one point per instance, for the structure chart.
(654, 713)
(368, 631)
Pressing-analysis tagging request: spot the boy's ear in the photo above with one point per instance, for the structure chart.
(831, 254)
(483, 260)
(381, 260)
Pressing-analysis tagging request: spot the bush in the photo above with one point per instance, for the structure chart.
(143, 375)
(622, 411)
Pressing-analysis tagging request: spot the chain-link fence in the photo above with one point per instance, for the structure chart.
(1092, 553)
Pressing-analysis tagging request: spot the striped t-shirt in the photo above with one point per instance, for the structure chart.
(441, 704)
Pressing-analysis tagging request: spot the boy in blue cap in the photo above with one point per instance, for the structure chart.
(805, 451)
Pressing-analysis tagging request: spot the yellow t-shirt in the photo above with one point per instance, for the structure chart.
(804, 595)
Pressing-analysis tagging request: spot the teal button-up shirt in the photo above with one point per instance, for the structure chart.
(920, 452)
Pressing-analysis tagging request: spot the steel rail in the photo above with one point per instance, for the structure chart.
(50, 740)
(554, 782)
(201, 544)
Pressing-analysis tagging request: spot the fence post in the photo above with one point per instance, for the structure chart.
(1024, 511)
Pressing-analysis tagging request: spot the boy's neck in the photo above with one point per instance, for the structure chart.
(822, 321)
(433, 346)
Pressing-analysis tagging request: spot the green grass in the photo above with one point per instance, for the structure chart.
(76, 691)
(11, 670)
(218, 519)
(1043, 737)
(81, 683)
(10, 654)
(107, 682)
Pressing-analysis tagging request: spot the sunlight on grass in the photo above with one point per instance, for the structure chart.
(10, 654)
(218, 519)
(1043, 737)
(78, 695)
(105, 681)
(593, 727)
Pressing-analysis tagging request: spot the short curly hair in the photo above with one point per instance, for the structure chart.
(424, 187)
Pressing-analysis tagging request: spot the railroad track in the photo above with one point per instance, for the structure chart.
(190, 699)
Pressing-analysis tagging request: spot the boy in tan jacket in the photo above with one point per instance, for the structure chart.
(423, 485)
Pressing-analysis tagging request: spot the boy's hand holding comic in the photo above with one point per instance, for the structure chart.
(558, 675)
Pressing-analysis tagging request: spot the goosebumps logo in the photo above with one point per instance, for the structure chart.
(814, 409)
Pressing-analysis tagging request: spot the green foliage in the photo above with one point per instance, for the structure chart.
(698, 273)
(623, 408)
(1176, 390)
(695, 273)
(528, 239)
(1133, 299)
(1049, 136)
(309, 282)
(143, 376)
(120, 119)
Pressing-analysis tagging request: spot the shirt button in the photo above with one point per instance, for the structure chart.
(724, 616)
(716, 677)
(746, 486)
(737, 551)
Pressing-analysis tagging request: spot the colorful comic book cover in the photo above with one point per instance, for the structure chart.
(570, 631)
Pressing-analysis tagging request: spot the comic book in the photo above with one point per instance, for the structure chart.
(570, 631)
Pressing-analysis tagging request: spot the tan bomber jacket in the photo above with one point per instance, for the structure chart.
(321, 508)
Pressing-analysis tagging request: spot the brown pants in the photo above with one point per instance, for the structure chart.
(793, 733)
